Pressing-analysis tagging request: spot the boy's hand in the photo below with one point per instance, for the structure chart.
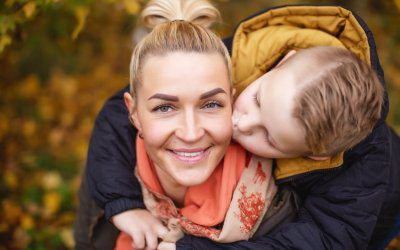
(143, 227)
(166, 246)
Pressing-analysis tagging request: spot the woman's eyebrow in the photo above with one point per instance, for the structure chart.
(212, 93)
(165, 97)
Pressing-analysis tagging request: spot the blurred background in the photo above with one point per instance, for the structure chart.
(59, 61)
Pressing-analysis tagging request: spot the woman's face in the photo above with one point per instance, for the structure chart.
(183, 110)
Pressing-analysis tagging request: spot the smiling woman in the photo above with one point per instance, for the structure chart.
(183, 112)
(180, 101)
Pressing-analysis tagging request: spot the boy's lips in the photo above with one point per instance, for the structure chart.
(235, 119)
(190, 156)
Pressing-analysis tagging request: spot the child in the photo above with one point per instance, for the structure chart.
(318, 103)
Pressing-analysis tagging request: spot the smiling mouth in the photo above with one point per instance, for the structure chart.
(192, 156)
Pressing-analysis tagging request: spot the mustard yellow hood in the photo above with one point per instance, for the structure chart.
(263, 39)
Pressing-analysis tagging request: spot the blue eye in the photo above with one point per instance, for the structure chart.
(212, 105)
(163, 108)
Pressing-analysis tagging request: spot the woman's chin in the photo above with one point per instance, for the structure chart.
(193, 178)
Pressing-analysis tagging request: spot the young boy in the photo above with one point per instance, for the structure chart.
(318, 103)
(292, 111)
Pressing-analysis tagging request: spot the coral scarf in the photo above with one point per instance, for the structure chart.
(236, 196)
(205, 204)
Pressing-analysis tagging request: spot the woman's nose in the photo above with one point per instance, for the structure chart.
(191, 128)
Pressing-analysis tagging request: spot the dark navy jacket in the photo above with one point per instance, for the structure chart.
(351, 207)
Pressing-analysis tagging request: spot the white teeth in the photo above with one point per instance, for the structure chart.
(186, 154)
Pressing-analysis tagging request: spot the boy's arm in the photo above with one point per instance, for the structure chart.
(143, 228)
(340, 209)
(111, 159)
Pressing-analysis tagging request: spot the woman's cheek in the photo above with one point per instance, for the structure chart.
(221, 129)
(157, 132)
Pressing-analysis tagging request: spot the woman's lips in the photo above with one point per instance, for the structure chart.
(190, 156)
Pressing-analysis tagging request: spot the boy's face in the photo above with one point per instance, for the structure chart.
(262, 118)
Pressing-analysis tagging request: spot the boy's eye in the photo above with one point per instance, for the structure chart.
(267, 140)
(256, 100)
(164, 108)
(212, 105)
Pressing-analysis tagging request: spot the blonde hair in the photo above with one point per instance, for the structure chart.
(339, 99)
(179, 26)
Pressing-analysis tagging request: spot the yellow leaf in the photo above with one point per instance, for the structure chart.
(21, 238)
(27, 222)
(55, 137)
(397, 2)
(51, 180)
(46, 108)
(80, 14)
(10, 179)
(67, 119)
(132, 6)
(4, 227)
(30, 87)
(67, 237)
(52, 202)
(11, 212)
(29, 9)
(27, 158)
(80, 149)
(10, 3)
(4, 41)
(29, 128)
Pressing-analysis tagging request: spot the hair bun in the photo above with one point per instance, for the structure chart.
(200, 12)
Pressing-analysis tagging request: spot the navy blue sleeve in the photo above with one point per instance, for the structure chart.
(340, 210)
(112, 158)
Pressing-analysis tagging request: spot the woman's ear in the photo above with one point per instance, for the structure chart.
(131, 106)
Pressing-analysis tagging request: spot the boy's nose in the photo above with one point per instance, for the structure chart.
(246, 123)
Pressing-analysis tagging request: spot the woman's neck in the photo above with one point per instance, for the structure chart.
(171, 188)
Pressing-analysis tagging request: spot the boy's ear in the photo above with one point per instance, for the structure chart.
(287, 56)
(318, 158)
(131, 106)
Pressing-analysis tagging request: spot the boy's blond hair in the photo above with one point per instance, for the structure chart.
(179, 26)
(338, 101)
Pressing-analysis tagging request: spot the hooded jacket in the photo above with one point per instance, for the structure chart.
(351, 203)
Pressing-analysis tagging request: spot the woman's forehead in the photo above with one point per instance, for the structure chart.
(185, 71)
